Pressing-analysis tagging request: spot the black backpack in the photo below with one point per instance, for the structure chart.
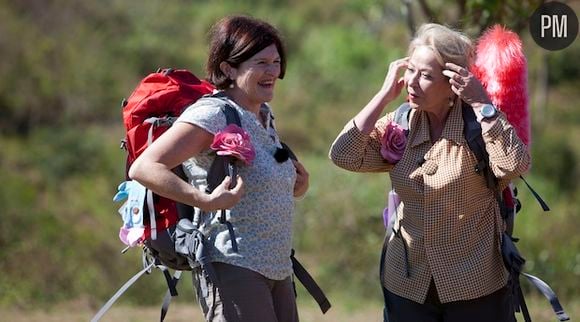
(512, 259)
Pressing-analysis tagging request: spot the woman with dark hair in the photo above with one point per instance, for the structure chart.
(246, 59)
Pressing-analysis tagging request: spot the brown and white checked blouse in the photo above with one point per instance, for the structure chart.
(448, 218)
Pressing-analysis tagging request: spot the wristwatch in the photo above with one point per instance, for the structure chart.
(488, 111)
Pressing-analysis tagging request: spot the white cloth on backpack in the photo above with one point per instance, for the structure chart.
(132, 212)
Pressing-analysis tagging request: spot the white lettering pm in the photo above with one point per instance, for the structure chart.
(559, 27)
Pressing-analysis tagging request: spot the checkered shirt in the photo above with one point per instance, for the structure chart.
(448, 219)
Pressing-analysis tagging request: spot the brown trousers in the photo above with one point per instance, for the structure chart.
(246, 296)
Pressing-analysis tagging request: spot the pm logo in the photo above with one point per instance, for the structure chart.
(554, 26)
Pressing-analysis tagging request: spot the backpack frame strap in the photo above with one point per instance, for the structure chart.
(169, 295)
(120, 292)
(152, 217)
(541, 201)
(547, 291)
(306, 279)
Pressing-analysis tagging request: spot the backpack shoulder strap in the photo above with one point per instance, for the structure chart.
(402, 114)
(232, 116)
(472, 132)
(225, 165)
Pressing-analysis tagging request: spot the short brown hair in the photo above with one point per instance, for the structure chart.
(235, 39)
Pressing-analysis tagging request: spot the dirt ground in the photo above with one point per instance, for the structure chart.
(180, 312)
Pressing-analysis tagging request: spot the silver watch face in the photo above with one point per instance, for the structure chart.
(488, 111)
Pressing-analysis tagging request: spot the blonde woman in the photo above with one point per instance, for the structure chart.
(444, 261)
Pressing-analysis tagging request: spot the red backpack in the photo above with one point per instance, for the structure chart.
(150, 110)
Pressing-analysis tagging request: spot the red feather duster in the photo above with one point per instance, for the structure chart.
(501, 66)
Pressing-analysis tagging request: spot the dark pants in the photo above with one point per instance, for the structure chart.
(246, 296)
(496, 307)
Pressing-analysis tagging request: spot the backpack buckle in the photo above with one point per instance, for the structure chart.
(123, 144)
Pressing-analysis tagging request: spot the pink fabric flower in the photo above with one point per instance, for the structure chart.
(393, 143)
(234, 141)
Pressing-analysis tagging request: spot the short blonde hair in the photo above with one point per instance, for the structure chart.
(448, 45)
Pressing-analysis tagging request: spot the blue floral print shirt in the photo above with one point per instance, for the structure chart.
(262, 220)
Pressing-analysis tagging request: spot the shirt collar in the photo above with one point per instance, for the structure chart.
(453, 129)
(418, 120)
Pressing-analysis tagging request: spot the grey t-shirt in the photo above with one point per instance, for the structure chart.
(262, 220)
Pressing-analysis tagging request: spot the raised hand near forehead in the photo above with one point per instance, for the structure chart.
(394, 83)
(465, 85)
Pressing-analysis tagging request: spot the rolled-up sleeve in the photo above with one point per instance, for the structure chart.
(354, 151)
(508, 155)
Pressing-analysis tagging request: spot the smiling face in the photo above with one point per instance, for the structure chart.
(428, 88)
(256, 77)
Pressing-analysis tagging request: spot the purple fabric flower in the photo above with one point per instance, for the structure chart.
(393, 143)
(131, 236)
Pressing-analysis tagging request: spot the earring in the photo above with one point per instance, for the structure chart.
(232, 83)
(451, 102)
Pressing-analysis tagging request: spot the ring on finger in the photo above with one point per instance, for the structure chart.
(458, 79)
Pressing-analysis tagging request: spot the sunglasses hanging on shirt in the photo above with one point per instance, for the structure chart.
(284, 153)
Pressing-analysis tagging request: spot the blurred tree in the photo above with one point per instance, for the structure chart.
(473, 16)
(55, 59)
